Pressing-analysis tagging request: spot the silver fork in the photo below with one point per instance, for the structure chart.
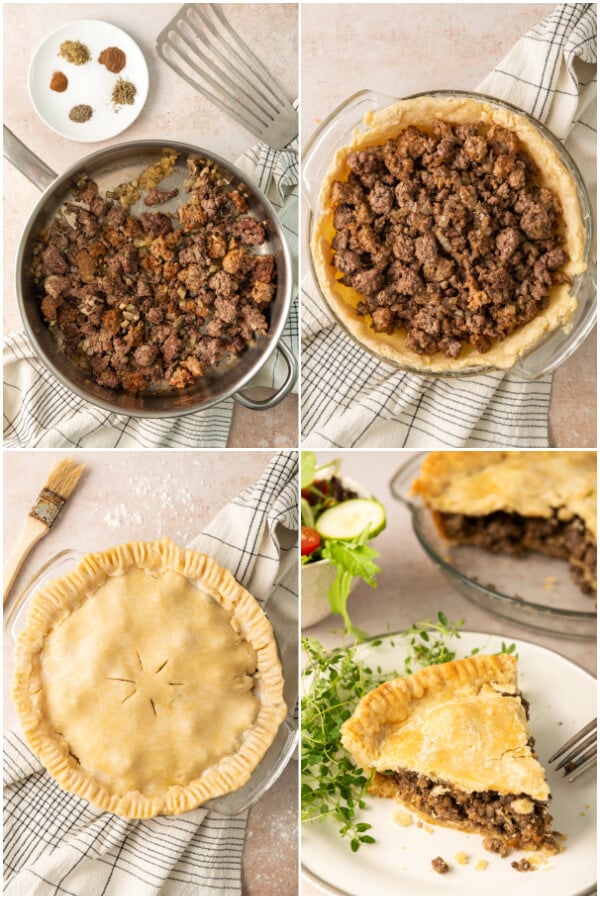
(579, 753)
(202, 47)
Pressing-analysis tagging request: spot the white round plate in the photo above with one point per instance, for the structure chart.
(563, 700)
(90, 83)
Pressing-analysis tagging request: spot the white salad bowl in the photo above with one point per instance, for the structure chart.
(317, 577)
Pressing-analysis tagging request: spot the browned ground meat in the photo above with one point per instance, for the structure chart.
(523, 865)
(485, 811)
(494, 845)
(503, 532)
(448, 235)
(140, 303)
(440, 865)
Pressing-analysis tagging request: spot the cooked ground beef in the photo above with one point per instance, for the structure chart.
(448, 235)
(494, 845)
(503, 532)
(523, 865)
(484, 811)
(139, 303)
(440, 865)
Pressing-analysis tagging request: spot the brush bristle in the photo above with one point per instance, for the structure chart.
(63, 478)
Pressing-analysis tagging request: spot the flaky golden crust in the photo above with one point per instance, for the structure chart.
(152, 665)
(420, 112)
(460, 722)
(533, 483)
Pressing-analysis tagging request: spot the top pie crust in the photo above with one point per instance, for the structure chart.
(531, 484)
(459, 722)
(420, 112)
(147, 680)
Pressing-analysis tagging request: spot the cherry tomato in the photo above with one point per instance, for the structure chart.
(310, 540)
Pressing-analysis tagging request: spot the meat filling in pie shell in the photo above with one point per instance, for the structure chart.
(147, 680)
(514, 502)
(449, 235)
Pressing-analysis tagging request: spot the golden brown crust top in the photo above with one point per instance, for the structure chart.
(420, 112)
(147, 680)
(530, 483)
(459, 722)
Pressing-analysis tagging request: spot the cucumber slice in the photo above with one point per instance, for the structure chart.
(350, 518)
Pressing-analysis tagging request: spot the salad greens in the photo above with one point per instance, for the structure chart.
(352, 556)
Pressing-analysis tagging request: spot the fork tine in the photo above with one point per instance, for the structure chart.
(591, 740)
(587, 729)
(583, 767)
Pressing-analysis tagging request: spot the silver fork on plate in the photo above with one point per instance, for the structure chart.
(579, 753)
(202, 47)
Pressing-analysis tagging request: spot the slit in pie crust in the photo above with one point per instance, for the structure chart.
(515, 502)
(452, 743)
(147, 680)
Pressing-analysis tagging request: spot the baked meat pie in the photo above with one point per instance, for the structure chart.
(516, 502)
(452, 743)
(450, 234)
(147, 680)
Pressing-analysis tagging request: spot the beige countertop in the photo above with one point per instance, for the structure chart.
(136, 495)
(410, 587)
(401, 49)
(173, 110)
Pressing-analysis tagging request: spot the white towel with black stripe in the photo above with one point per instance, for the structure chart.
(41, 412)
(56, 844)
(350, 399)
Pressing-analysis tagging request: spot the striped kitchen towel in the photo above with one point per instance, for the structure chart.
(350, 399)
(56, 844)
(40, 412)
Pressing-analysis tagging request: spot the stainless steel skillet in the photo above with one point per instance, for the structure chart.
(110, 167)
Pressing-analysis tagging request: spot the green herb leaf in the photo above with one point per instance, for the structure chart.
(353, 559)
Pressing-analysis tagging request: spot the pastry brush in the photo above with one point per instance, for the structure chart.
(61, 483)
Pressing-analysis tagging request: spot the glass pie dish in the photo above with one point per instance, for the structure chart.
(337, 131)
(533, 590)
(277, 756)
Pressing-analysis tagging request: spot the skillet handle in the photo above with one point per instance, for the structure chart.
(27, 162)
(281, 392)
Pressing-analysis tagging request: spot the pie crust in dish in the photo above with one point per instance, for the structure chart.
(147, 680)
(516, 501)
(420, 112)
(452, 743)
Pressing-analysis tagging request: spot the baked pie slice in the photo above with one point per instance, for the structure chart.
(452, 743)
(147, 680)
(515, 502)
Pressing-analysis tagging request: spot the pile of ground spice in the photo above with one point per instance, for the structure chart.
(81, 113)
(113, 58)
(59, 82)
(123, 93)
(75, 52)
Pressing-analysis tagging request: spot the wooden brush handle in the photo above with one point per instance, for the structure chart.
(33, 531)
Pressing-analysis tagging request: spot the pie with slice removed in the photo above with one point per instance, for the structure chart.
(147, 680)
(515, 502)
(451, 742)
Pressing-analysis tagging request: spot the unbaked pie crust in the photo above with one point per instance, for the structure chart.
(420, 112)
(147, 680)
